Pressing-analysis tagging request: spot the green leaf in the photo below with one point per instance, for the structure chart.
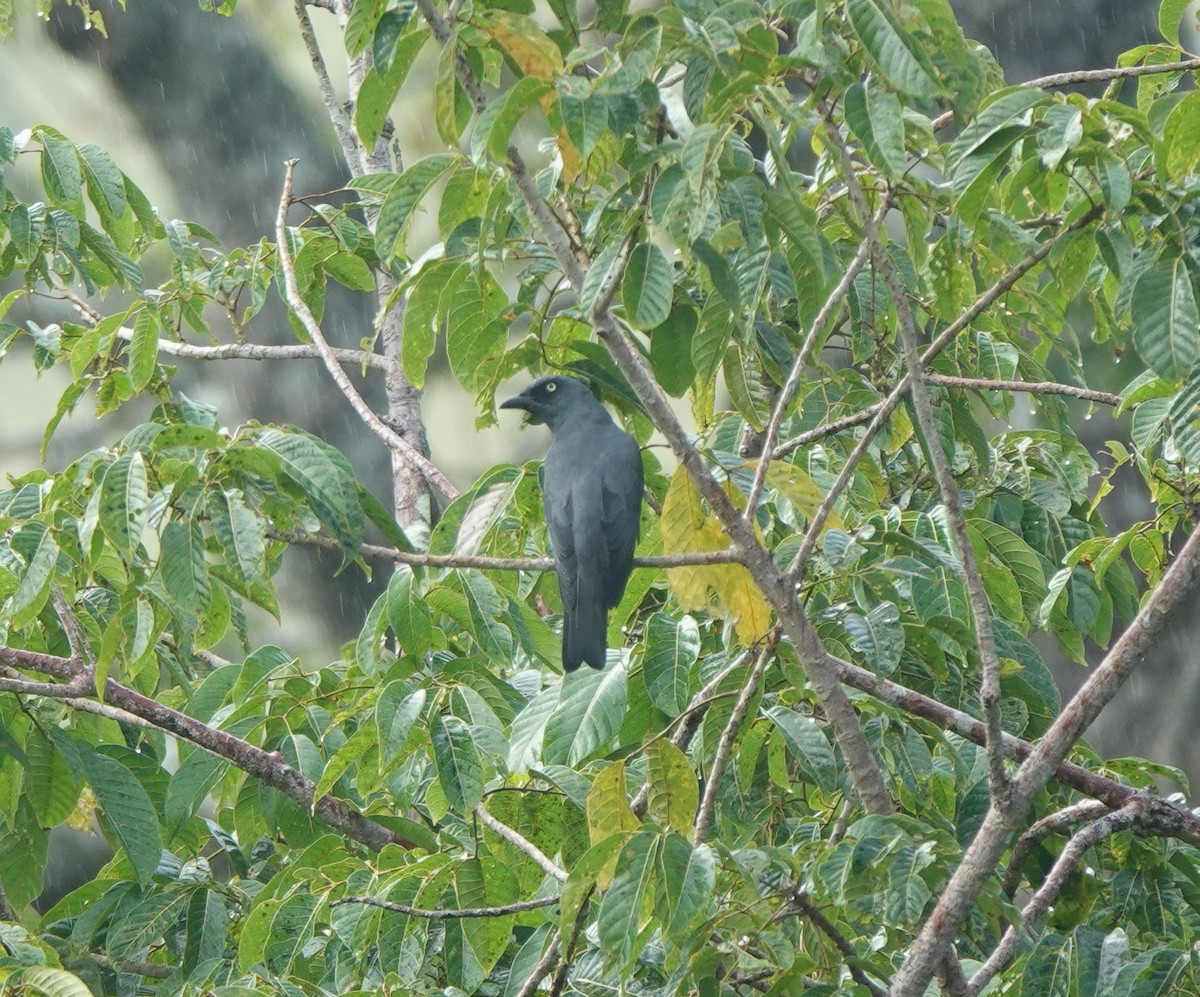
(144, 925)
(381, 86)
(907, 892)
(361, 24)
(1181, 138)
(1170, 14)
(671, 350)
(671, 650)
(105, 184)
(807, 745)
(459, 767)
(240, 532)
(1003, 109)
(405, 195)
(407, 613)
(476, 329)
(395, 713)
(125, 502)
(45, 980)
(330, 491)
(586, 120)
(620, 919)
(61, 175)
(348, 754)
(50, 787)
(127, 811)
(877, 122)
(684, 884)
(208, 920)
(32, 591)
(143, 349)
(1165, 318)
(674, 792)
(900, 58)
(421, 312)
(494, 130)
(189, 785)
(590, 709)
(878, 637)
(646, 288)
(184, 569)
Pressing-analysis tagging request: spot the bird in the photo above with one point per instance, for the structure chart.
(592, 495)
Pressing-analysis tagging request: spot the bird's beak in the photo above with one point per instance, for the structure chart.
(518, 401)
(527, 404)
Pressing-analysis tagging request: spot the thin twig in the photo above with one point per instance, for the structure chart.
(876, 415)
(708, 802)
(1058, 822)
(451, 914)
(1027, 387)
(152, 970)
(258, 351)
(397, 443)
(1103, 75)
(802, 903)
(1004, 953)
(342, 125)
(514, 837)
(771, 437)
(485, 563)
(544, 965)
(989, 686)
(688, 722)
(979, 862)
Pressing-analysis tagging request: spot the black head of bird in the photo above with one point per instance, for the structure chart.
(592, 494)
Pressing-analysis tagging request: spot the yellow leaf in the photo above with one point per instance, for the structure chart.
(687, 528)
(674, 792)
(570, 157)
(608, 811)
(798, 488)
(529, 47)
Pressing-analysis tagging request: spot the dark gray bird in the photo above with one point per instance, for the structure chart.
(592, 493)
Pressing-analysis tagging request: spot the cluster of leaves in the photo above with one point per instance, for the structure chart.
(687, 153)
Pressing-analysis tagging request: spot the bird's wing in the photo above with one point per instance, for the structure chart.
(559, 504)
(572, 499)
(621, 501)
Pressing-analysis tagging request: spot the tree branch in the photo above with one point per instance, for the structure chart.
(876, 415)
(451, 914)
(514, 837)
(800, 902)
(989, 686)
(1002, 956)
(255, 351)
(704, 815)
(1029, 387)
(296, 303)
(979, 862)
(420, 559)
(1103, 75)
(268, 767)
(839, 292)
(1058, 822)
(342, 125)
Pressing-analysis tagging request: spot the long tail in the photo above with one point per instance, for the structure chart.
(585, 628)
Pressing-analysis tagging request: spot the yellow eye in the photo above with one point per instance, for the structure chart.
(551, 386)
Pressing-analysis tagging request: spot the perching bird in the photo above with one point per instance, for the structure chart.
(592, 493)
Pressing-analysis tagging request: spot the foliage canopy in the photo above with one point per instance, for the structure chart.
(851, 249)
